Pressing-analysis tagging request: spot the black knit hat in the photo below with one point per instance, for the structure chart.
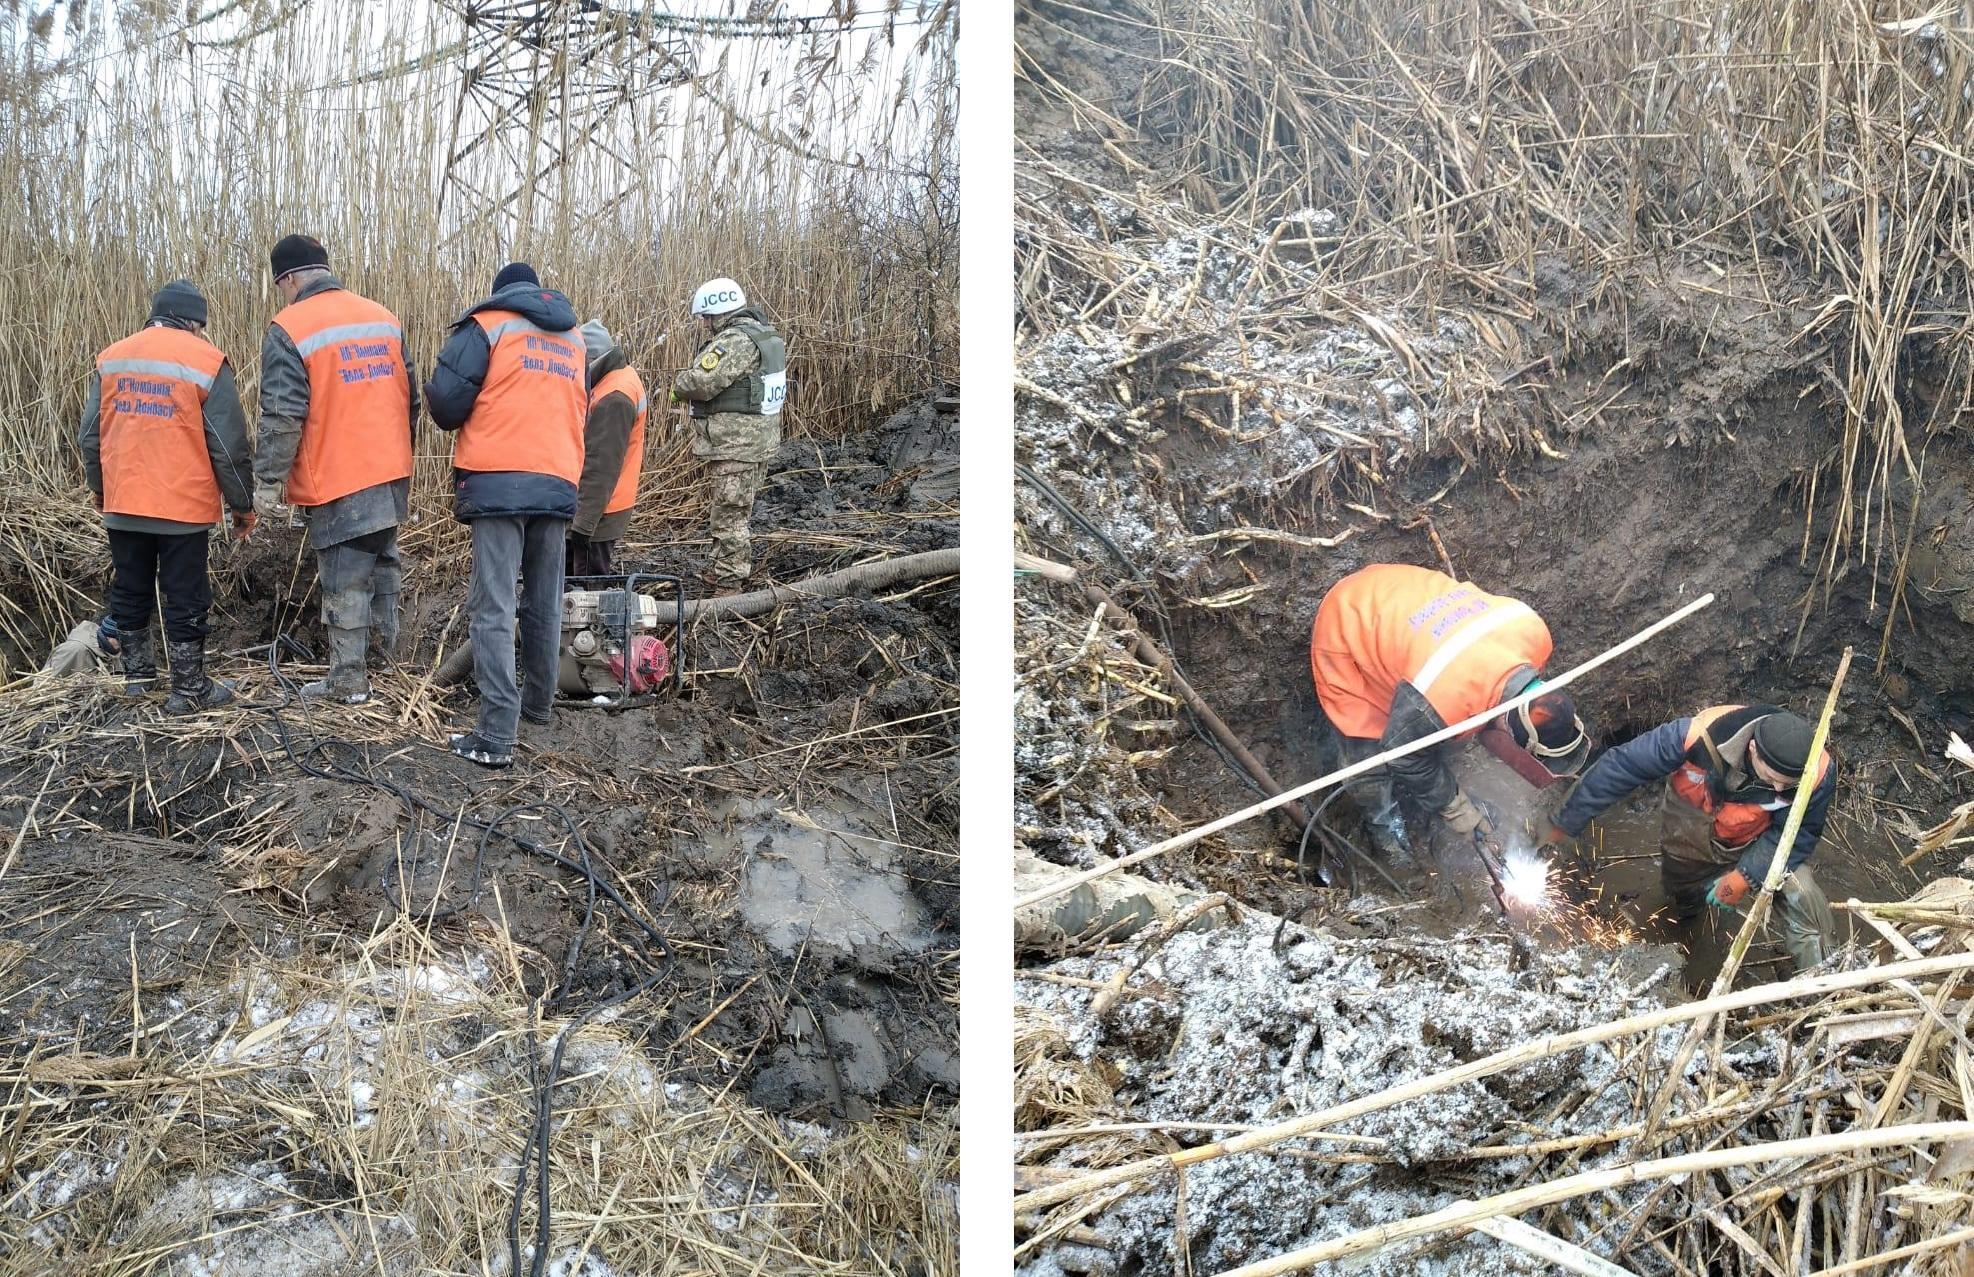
(180, 299)
(516, 273)
(1784, 741)
(297, 252)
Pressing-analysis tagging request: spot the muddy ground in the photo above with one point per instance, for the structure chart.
(1676, 435)
(1680, 423)
(797, 855)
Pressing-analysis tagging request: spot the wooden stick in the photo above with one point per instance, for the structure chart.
(1126, 627)
(1957, 1237)
(1072, 881)
(1466, 1214)
(1777, 870)
(1521, 1053)
(1567, 1255)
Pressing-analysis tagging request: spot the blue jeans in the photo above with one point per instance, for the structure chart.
(504, 547)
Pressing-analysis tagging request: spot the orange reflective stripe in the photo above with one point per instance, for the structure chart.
(152, 423)
(1393, 623)
(358, 430)
(625, 381)
(531, 407)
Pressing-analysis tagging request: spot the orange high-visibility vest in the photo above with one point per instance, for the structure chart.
(1745, 815)
(531, 408)
(1392, 623)
(625, 381)
(153, 426)
(357, 433)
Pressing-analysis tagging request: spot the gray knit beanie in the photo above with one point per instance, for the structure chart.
(597, 340)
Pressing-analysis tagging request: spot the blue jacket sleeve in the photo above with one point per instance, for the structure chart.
(456, 378)
(1645, 758)
(1754, 859)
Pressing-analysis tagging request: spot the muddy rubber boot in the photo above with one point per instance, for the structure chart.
(140, 664)
(346, 683)
(191, 688)
(383, 650)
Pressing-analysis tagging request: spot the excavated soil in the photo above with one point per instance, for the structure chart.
(1676, 437)
(797, 851)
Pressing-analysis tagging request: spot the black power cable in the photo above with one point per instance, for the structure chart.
(536, 1148)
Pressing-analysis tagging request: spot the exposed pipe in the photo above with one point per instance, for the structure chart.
(874, 575)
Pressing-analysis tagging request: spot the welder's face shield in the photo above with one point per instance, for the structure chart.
(1552, 733)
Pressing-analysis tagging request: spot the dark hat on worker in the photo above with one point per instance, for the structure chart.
(1550, 730)
(516, 273)
(180, 299)
(297, 252)
(1784, 740)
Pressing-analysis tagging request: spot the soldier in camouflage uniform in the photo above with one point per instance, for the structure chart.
(735, 388)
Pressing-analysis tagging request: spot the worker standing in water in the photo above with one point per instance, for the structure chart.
(1730, 773)
(1400, 652)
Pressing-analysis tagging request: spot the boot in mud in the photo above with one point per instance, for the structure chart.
(140, 664)
(346, 682)
(191, 688)
(383, 651)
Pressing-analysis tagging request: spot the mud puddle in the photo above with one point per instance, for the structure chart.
(837, 892)
(1618, 859)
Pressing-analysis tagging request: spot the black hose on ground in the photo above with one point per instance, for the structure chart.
(536, 1147)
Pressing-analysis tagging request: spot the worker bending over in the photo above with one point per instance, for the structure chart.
(337, 408)
(512, 380)
(1400, 652)
(164, 450)
(613, 455)
(735, 387)
(1730, 774)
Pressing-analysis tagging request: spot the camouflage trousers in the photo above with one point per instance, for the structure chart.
(734, 484)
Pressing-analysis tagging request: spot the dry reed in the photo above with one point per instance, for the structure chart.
(628, 155)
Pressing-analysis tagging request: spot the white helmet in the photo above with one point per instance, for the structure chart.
(717, 297)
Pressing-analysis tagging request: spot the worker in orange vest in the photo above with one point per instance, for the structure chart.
(1400, 652)
(337, 412)
(164, 449)
(1731, 773)
(513, 381)
(613, 455)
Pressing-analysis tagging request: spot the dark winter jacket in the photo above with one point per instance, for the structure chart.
(455, 385)
(1421, 777)
(1655, 756)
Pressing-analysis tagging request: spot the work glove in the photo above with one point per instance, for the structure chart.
(267, 499)
(108, 637)
(1729, 890)
(1463, 817)
(243, 524)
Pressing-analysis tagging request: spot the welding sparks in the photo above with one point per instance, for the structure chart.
(1525, 878)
